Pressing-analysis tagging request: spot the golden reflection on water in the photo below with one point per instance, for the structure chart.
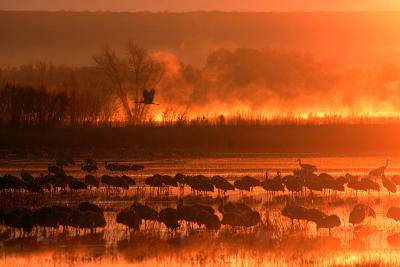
(202, 249)
(375, 243)
(242, 258)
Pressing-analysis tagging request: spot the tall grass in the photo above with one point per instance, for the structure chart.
(248, 119)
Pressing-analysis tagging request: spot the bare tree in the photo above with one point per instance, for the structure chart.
(146, 73)
(113, 67)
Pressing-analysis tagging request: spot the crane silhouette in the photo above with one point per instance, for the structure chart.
(148, 97)
(378, 172)
(307, 167)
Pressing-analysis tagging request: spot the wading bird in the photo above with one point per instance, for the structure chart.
(389, 185)
(307, 167)
(329, 222)
(378, 172)
(359, 213)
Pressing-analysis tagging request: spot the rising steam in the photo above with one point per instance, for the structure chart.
(278, 82)
(273, 82)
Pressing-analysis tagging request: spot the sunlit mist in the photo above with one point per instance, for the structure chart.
(199, 133)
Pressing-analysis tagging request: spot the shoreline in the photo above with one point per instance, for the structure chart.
(273, 139)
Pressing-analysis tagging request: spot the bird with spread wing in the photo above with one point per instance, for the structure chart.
(148, 97)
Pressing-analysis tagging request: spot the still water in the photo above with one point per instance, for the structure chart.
(279, 244)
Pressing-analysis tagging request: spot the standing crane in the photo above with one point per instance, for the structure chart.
(378, 172)
(307, 167)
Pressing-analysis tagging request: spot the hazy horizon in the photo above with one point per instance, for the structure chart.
(199, 133)
(343, 64)
(201, 5)
(349, 38)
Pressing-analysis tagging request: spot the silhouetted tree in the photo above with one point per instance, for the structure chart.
(113, 67)
(146, 73)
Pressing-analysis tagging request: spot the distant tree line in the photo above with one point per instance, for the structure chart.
(29, 106)
(110, 92)
(43, 95)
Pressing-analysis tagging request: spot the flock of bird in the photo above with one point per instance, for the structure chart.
(234, 214)
(301, 180)
(357, 216)
(88, 217)
(57, 179)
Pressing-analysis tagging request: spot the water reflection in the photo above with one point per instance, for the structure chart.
(198, 249)
(277, 243)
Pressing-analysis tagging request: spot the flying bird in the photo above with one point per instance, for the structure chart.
(148, 97)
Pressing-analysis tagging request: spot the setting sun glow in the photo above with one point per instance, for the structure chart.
(199, 133)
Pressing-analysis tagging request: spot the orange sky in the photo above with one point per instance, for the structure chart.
(190, 5)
